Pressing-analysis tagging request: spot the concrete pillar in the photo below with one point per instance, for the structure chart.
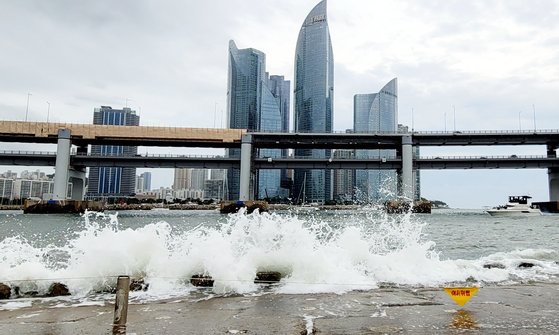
(553, 177)
(553, 174)
(407, 168)
(77, 178)
(246, 160)
(62, 164)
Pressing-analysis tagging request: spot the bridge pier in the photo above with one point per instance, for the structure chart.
(406, 174)
(553, 174)
(246, 168)
(62, 165)
(77, 178)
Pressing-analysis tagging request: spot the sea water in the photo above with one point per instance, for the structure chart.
(322, 251)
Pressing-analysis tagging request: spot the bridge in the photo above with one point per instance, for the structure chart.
(65, 135)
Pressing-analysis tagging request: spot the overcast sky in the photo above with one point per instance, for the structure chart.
(476, 64)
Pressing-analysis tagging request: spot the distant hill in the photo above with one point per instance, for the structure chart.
(438, 204)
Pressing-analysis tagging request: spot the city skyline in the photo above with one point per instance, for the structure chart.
(457, 64)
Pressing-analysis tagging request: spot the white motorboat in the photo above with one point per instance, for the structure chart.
(517, 206)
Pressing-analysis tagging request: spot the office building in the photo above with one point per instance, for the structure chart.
(344, 180)
(6, 189)
(313, 99)
(113, 181)
(214, 189)
(274, 117)
(373, 113)
(255, 102)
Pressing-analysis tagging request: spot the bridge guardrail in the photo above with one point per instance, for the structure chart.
(420, 132)
(454, 157)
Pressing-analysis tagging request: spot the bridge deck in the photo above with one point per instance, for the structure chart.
(43, 132)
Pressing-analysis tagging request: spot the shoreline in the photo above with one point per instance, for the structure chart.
(513, 309)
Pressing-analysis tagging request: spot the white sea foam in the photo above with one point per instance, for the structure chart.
(312, 255)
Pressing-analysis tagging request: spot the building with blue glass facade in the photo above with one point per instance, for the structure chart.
(313, 100)
(255, 102)
(113, 181)
(274, 117)
(372, 113)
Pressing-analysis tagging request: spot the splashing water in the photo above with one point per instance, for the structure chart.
(313, 254)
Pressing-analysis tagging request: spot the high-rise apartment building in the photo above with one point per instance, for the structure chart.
(193, 179)
(314, 90)
(258, 103)
(113, 181)
(143, 182)
(372, 113)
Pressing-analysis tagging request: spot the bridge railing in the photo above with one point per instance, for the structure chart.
(489, 132)
(519, 157)
(420, 132)
(27, 152)
(359, 157)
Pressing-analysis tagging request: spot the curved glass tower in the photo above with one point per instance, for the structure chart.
(314, 88)
(377, 112)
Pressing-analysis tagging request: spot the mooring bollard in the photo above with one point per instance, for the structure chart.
(121, 304)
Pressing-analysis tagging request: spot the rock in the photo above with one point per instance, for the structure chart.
(138, 285)
(202, 281)
(267, 277)
(5, 291)
(57, 290)
(525, 265)
(494, 265)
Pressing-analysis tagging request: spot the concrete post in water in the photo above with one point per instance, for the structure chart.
(62, 164)
(121, 302)
(246, 159)
(407, 167)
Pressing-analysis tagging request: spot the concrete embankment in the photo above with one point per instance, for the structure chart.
(526, 309)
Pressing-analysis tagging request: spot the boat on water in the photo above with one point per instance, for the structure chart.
(516, 206)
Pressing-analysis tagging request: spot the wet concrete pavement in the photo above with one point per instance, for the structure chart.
(521, 309)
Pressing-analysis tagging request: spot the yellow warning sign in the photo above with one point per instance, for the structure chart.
(461, 295)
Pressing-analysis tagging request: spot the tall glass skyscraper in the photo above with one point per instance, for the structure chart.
(314, 88)
(113, 181)
(373, 113)
(257, 103)
(246, 73)
(274, 117)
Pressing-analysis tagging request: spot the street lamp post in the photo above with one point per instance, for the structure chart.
(454, 113)
(27, 108)
(48, 111)
(534, 109)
